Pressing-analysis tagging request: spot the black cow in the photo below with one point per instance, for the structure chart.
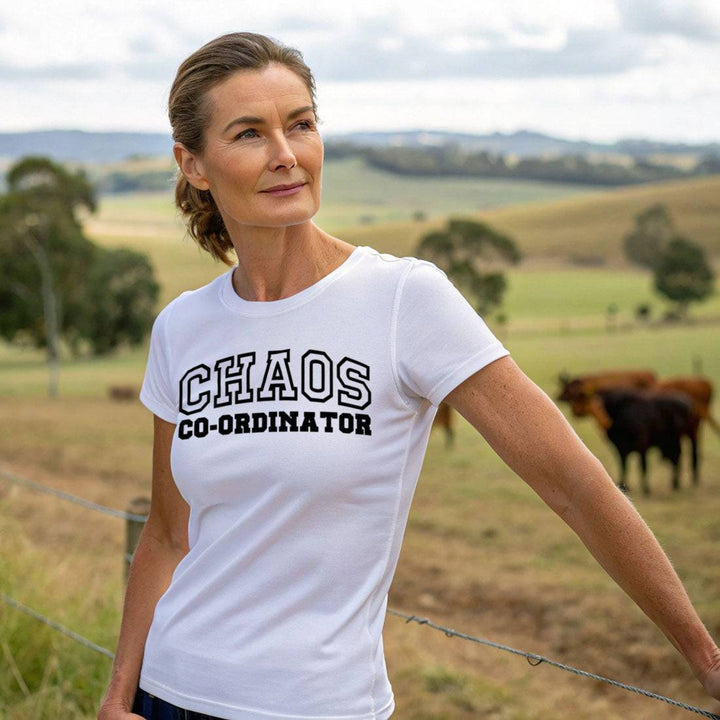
(641, 419)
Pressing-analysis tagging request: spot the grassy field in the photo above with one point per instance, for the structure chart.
(482, 554)
(355, 194)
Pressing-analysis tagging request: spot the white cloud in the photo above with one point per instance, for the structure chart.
(696, 19)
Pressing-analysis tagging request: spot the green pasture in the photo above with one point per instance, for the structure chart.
(569, 298)
(355, 194)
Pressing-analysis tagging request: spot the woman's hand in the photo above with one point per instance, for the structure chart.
(116, 710)
(711, 680)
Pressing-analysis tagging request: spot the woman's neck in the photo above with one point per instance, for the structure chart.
(275, 263)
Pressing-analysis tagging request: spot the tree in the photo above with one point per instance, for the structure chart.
(48, 268)
(41, 246)
(121, 297)
(654, 229)
(682, 274)
(461, 249)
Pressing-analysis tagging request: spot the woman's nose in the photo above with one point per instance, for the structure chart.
(281, 154)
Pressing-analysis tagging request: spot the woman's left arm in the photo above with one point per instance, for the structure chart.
(532, 436)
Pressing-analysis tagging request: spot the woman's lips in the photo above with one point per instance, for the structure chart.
(283, 190)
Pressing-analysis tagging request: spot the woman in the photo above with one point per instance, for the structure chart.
(293, 398)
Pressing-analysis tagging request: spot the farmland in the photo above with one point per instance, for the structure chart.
(481, 554)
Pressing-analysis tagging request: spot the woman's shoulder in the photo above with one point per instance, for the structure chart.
(188, 301)
(400, 265)
(407, 269)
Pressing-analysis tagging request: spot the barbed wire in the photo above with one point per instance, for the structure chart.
(57, 626)
(532, 658)
(536, 660)
(71, 498)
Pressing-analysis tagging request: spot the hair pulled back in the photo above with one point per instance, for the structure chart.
(189, 111)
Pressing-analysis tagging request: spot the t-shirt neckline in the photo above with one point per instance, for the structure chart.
(267, 308)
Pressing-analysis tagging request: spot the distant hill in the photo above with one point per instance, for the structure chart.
(109, 147)
(84, 147)
(523, 143)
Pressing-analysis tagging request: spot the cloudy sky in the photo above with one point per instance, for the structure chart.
(593, 69)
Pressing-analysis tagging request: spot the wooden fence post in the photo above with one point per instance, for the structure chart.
(133, 528)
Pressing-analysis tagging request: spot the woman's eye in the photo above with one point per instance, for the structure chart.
(305, 125)
(247, 134)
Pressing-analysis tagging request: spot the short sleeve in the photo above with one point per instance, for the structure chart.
(440, 339)
(156, 392)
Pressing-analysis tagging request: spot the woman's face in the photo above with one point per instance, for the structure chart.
(263, 155)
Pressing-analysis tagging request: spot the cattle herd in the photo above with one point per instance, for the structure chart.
(638, 411)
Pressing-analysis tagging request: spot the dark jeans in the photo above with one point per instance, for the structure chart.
(153, 708)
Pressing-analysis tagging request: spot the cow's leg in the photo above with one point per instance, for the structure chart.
(695, 453)
(643, 474)
(676, 475)
(673, 455)
(623, 473)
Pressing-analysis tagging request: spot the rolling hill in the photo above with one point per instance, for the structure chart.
(584, 229)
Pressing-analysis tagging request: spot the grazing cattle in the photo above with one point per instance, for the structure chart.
(642, 419)
(444, 418)
(581, 392)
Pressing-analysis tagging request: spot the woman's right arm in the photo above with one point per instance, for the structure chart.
(163, 543)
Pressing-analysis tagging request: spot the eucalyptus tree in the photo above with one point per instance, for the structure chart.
(43, 253)
(683, 274)
(56, 284)
(473, 255)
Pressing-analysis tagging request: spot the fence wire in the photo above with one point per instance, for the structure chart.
(536, 660)
(71, 498)
(56, 626)
(532, 658)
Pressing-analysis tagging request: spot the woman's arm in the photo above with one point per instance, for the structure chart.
(531, 435)
(162, 545)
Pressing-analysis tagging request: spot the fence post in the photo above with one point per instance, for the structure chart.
(133, 528)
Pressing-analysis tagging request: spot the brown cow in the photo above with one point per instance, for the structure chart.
(700, 392)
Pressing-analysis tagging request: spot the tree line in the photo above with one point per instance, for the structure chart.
(453, 160)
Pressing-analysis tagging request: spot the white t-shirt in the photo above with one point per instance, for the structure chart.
(301, 429)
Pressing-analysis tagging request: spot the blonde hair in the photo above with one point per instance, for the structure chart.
(189, 112)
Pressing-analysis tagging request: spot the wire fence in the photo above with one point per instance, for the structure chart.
(532, 658)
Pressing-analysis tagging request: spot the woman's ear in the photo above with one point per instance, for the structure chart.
(190, 166)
